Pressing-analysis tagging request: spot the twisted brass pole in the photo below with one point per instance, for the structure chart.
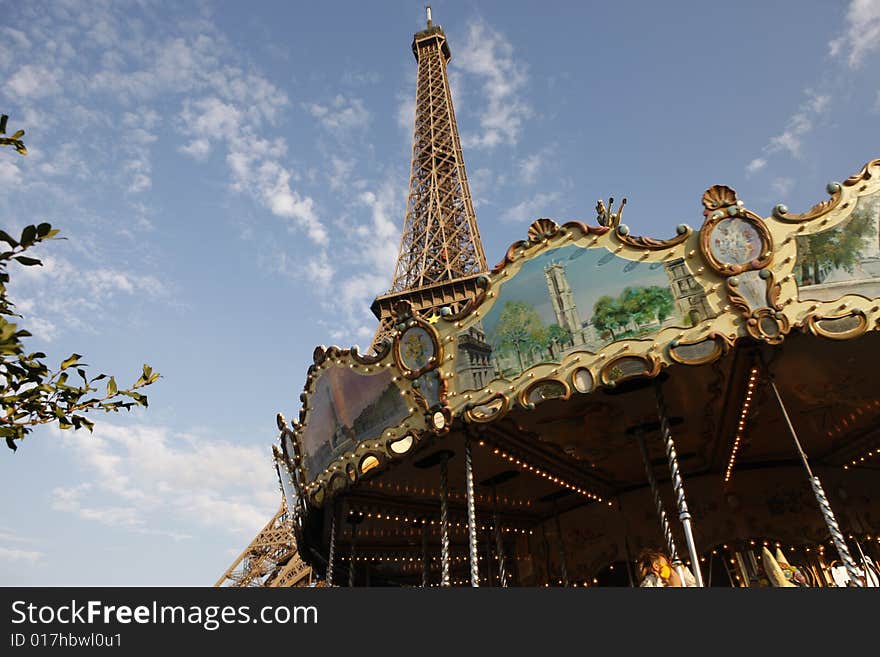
(444, 522)
(471, 514)
(678, 485)
(562, 557)
(332, 554)
(424, 554)
(499, 543)
(351, 558)
(665, 527)
(819, 493)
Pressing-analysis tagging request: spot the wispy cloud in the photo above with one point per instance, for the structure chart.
(756, 165)
(488, 56)
(782, 186)
(16, 554)
(341, 113)
(529, 167)
(862, 34)
(525, 212)
(148, 479)
(790, 140)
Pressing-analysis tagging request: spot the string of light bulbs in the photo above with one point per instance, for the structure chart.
(528, 467)
(740, 427)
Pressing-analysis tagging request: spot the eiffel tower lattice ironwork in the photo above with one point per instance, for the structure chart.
(270, 560)
(441, 254)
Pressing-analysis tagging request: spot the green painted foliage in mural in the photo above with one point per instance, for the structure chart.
(519, 328)
(634, 308)
(838, 248)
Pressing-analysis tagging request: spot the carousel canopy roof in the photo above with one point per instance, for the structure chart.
(546, 365)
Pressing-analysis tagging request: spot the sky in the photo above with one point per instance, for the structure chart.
(230, 179)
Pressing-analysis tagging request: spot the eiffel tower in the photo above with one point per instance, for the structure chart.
(441, 257)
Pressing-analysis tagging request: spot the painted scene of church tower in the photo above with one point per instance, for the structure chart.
(576, 299)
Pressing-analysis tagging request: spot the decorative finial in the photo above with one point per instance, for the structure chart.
(428, 12)
(607, 216)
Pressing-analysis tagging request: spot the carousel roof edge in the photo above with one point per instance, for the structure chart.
(745, 278)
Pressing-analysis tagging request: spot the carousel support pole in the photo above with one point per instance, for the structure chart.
(351, 558)
(424, 554)
(444, 522)
(562, 558)
(490, 571)
(819, 493)
(629, 563)
(546, 553)
(471, 514)
(665, 527)
(678, 485)
(332, 552)
(499, 542)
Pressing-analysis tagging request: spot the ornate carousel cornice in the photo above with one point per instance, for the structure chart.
(743, 263)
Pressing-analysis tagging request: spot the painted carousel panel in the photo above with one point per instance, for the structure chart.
(347, 408)
(844, 259)
(291, 496)
(577, 299)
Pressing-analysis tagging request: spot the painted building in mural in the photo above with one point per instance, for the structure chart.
(474, 365)
(562, 299)
(690, 297)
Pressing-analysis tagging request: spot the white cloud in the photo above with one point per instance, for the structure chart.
(16, 554)
(148, 479)
(798, 127)
(488, 56)
(531, 209)
(198, 149)
(756, 165)
(340, 114)
(10, 174)
(529, 167)
(33, 82)
(783, 186)
(862, 34)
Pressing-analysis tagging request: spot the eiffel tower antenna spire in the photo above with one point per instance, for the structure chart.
(441, 254)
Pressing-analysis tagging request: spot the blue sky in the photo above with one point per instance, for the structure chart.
(231, 179)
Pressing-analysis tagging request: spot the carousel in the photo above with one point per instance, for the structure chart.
(715, 395)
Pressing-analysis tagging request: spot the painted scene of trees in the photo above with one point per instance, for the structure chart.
(583, 299)
(845, 259)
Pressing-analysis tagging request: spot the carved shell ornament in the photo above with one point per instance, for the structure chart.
(718, 196)
(733, 239)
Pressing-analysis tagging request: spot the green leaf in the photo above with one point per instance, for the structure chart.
(111, 387)
(28, 262)
(43, 229)
(70, 361)
(28, 235)
(6, 237)
(52, 233)
(147, 371)
(10, 443)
